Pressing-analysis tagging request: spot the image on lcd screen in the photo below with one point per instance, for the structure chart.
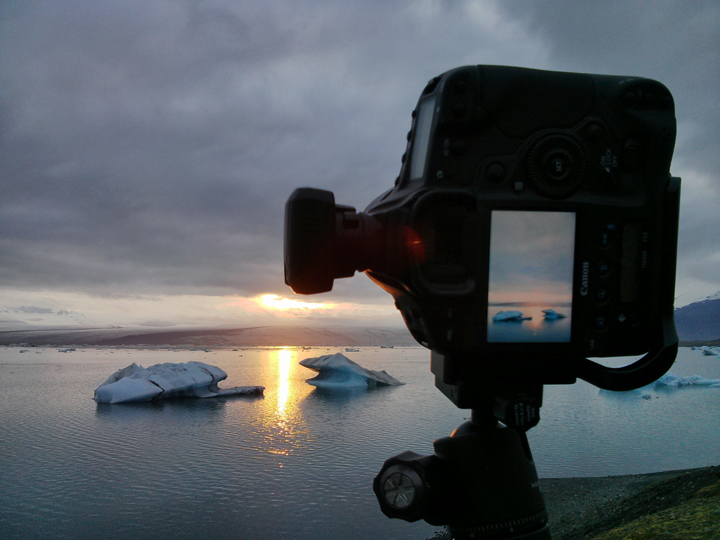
(531, 276)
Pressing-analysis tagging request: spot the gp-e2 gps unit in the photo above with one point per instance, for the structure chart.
(533, 226)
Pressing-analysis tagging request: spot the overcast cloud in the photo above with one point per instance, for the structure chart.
(147, 147)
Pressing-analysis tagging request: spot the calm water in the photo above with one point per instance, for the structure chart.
(297, 463)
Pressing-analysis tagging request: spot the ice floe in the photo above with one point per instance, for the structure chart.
(670, 380)
(551, 314)
(135, 383)
(338, 371)
(502, 316)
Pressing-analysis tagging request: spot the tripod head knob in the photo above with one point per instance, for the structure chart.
(401, 487)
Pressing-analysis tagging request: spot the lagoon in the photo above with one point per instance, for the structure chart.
(297, 463)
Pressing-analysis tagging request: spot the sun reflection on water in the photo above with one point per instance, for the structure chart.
(286, 425)
(283, 381)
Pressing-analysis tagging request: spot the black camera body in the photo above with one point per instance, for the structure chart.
(533, 225)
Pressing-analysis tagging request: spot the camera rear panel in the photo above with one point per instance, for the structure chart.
(545, 196)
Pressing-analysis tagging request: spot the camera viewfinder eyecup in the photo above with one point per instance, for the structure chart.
(325, 241)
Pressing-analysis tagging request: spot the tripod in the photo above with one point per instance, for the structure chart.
(481, 481)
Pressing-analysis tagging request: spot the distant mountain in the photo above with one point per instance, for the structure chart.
(261, 336)
(699, 321)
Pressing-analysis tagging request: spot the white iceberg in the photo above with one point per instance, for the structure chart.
(135, 383)
(710, 351)
(552, 315)
(670, 380)
(502, 316)
(338, 371)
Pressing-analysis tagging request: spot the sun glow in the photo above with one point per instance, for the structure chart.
(276, 302)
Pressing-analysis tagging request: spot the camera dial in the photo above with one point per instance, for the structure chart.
(557, 165)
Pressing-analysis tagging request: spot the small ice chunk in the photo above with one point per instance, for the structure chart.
(193, 379)
(551, 314)
(502, 316)
(338, 371)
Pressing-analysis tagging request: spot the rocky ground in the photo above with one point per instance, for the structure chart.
(673, 505)
(581, 508)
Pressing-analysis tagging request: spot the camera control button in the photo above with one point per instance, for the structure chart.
(602, 295)
(594, 133)
(600, 322)
(629, 318)
(495, 172)
(603, 268)
(605, 239)
(559, 165)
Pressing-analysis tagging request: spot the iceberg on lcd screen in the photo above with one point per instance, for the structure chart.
(502, 316)
(338, 371)
(552, 315)
(135, 383)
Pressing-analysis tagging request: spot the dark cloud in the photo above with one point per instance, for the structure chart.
(148, 147)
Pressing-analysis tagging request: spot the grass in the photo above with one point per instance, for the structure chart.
(697, 518)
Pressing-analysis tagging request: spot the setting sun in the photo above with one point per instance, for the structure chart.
(277, 302)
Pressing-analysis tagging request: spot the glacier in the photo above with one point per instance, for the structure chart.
(338, 371)
(135, 383)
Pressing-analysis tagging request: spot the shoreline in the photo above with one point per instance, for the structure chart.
(580, 508)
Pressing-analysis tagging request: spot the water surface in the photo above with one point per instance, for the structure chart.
(297, 463)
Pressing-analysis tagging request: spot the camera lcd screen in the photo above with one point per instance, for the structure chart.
(530, 277)
(422, 138)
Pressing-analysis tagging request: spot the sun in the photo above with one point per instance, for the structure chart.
(275, 301)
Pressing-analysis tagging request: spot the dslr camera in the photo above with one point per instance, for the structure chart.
(533, 226)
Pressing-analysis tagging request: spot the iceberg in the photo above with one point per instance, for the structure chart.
(670, 380)
(135, 383)
(552, 315)
(710, 351)
(338, 371)
(502, 316)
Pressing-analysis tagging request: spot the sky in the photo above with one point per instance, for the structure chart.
(147, 147)
(531, 257)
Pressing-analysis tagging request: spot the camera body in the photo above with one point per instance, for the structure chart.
(533, 225)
